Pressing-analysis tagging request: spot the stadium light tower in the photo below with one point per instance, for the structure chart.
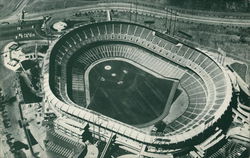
(130, 11)
(175, 20)
(22, 15)
(136, 10)
(166, 19)
(172, 21)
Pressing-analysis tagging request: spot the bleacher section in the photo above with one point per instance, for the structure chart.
(78, 94)
(205, 82)
(61, 145)
(58, 137)
(231, 150)
(132, 53)
(63, 152)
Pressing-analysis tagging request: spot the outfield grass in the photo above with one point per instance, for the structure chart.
(128, 94)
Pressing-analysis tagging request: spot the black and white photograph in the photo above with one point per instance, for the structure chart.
(124, 79)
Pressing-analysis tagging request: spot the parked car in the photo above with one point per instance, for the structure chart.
(9, 136)
(5, 23)
(5, 115)
(13, 150)
(7, 124)
(4, 111)
(2, 107)
(6, 119)
(10, 141)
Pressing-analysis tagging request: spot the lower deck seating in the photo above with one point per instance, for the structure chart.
(199, 75)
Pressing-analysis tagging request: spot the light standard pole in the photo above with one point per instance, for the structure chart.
(130, 11)
(136, 11)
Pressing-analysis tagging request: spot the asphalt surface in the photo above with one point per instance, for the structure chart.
(17, 11)
(8, 83)
(17, 31)
(141, 9)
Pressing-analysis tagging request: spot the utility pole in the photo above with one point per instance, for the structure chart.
(166, 20)
(22, 16)
(136, 11)
(130, 11)
(175, 20)
(170, 24)
(172, 21)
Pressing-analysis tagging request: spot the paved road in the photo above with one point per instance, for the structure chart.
(18, 10)
(13, 31)
(180, 16)
(140, 9)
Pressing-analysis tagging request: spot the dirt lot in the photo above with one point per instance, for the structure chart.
(41, 5)
(8, 6)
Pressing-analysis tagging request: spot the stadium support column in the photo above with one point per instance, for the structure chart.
(221, 56)
(106, 150)
(143, 148)
(109, 18)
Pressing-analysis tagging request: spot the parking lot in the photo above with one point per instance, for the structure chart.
(13, 138)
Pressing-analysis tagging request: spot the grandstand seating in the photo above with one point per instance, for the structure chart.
(230, 149)
(206, 84)
(67, 141)
(78, 92)
(62, 145)
(64, 152)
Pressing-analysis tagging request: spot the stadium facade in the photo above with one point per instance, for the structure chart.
(205, 81)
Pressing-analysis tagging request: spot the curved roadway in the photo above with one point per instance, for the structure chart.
(127, 7)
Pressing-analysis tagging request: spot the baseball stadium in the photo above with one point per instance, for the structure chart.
(145, 87)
